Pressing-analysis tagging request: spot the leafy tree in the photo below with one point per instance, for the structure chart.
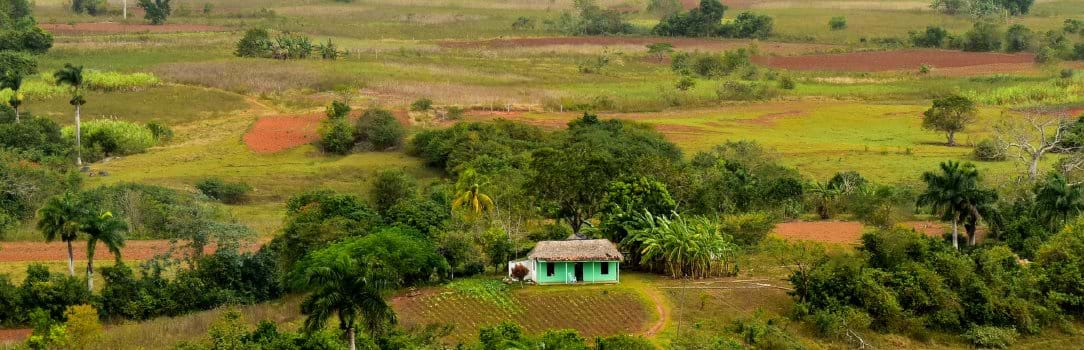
(316, 218)
(82, 325)
(593, 20)
(346, 287)
(488, 148)
(255, 43)
(934, 36)
(748, 25)
(1018, 38)
(950, 115)
(107, 229)
(156, 10)
(704, 20)
(13, 80)
(571, 177)
(379, 129)
(955, 195)
(62, 218)
(1061, 260)
(837, 23)
(336, 136)
(72, 76)
(983, 37)
(391, 187)
(622, 207)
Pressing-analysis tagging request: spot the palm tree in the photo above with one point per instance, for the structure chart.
(61, 217)
(956, 196)
(344, 287)
(824, 197)
(1057, 201)
(468, 193)
(106, 228)
(14, 81)
(73, 77)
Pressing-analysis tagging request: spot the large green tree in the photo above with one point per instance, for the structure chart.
(62, 218)
(72, 76)
(955, 195)
(949, 115)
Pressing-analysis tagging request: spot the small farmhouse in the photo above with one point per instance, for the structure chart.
(572, 261)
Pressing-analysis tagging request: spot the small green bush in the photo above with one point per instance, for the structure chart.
(991, 337)
(934, 36)
(983, 37)
(379, 130)
(1018, 38)
(1067, 73)
(221, 190)
(989, 150)
(787, 83)
(422, 104)
(837, 23)
(685, 83)
(744, 91)
(161, 131)
(255, 43)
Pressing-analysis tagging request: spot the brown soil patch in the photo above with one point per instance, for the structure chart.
(278, 133)
(9, 336)
(893, 60)
(679, 43)
(1076, 112)
(112, 27)
(844, 232)
(58, 251)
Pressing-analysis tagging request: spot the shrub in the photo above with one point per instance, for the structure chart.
(731, 90)
(156, 11)
(113, 137)
(161, 131)
(221, 190)
(982, 37)
(1046, 55)
(90, 7)
(255, 43)
(991, 337)
(990, 150)
(32, 40)
(421, 104)
(519, 272)
(523, 23)
(379, 130)
(701, 21)
(748, 25)
(454, 113)
(391, 187)
(1018, 38)
(336, 135)
(837, 23)
(590, 20)
(924, 69)
(747, 228)
(17, 62)
(83, 327)
(37, 137)
(685, 83)
(787, 83)
(712, 66)
(1067, 73)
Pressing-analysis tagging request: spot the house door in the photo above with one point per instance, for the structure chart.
(578, 269)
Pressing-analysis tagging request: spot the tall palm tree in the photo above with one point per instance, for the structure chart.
(824, 197)
(344, 287)
(14, 81)
(469, 193)
(72, 76)
(107, 229)
(955, 194)
(61, 217)
(1057, 201)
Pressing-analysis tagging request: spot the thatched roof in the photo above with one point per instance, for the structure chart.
(576, 250)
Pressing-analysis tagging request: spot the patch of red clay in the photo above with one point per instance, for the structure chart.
(892, 60)
(845, 232)
(112, 27)
(58, 251)
(278, 133)
(9, 336)
(1076, 112)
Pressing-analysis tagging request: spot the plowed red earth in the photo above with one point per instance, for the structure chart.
(892, 60)
(14, 335)
(274, 134)
(111, 27)
(844, 232)
(680, 43)
(58, 251)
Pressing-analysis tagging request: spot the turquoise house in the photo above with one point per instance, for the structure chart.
(572, 261)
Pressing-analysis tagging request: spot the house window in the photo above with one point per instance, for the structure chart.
(605, 268)
(549, 270)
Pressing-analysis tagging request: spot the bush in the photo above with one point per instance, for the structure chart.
(590, 20)
(744, 91)
(32, 40)
(933, 37)
(991, 337)
(1067, 73)
(221, 190)
(983, 37)
(113, 137)
(990, 150)
(685, 83)
(1018, 38)
(379, 130)
(787, 83)
(161, 131)
(422, 104)
(17, 62)
(392, 186)
(747, 228)
(90, 7)
(711, 66)
(336, 135)
(255, 43)
(37, 137)
(837, 23)
(701, 21)
(155, 11)
(748, 25)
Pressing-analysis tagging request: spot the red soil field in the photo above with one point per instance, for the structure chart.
(844, 232)
(14, 335)
(892, 60)
(112, 27)
(58, 251)
(278, 133)
(680, 43)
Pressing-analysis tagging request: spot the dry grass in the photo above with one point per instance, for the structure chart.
(249, 76)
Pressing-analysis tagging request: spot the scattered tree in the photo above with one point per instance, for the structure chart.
(837, 23)
(950, 115)
(108, 229)
(1033, 134)
(156, 10)
(955, 195)
(72, 76)
(62, 218)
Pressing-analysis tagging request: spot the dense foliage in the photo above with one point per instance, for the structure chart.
(707, 20)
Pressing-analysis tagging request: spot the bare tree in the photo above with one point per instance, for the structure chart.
(1033, 133)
